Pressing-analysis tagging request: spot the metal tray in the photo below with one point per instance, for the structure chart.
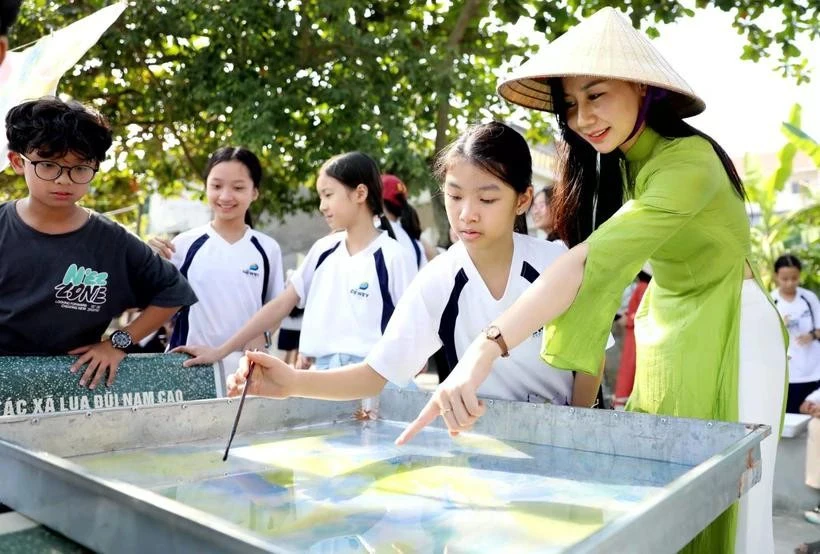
(305, 475)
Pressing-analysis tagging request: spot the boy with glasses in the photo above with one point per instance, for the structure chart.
(68, 271)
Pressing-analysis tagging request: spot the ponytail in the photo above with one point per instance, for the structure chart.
(406, 214)
(384, 223)
(248, 218)
(410, 221)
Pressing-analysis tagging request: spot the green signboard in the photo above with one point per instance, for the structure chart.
(31, 385)
(20, 535)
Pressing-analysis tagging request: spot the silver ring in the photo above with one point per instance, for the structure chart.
(447, 410)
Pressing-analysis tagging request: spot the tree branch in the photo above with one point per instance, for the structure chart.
(173, 129)
(467, 14)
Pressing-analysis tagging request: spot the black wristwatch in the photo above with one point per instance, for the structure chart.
(121, 339)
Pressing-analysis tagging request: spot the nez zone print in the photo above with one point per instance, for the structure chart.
(82, 288)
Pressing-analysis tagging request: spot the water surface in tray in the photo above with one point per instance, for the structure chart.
(347, 488)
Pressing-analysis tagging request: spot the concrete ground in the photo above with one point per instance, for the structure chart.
(790, 529)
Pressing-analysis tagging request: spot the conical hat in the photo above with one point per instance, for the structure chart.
(605, 45)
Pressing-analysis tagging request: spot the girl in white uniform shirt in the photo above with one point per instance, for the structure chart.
(800, 311)
(486, 174)
(233, 269)
(349, 282)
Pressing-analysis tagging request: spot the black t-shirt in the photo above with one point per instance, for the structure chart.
(60, 292)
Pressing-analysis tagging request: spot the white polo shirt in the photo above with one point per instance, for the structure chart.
(801, 315)
(348, 300)
(448, 305)
(232, 282)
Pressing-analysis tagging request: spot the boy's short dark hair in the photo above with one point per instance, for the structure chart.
(8, 13)
(53, 128)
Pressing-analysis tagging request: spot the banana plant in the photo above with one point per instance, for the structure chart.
(798, 231)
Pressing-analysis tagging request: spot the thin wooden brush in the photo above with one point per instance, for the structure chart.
(251, 365)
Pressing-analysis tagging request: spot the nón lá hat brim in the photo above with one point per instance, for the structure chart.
(606, 46)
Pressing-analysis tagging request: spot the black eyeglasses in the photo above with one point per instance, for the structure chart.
(50, 171)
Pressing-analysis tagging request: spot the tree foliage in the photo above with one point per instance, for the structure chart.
(298, 81)
(775, 233)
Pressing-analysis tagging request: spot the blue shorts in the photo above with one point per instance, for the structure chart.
(338, 360)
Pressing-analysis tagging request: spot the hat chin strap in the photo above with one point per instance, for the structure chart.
(652, 95)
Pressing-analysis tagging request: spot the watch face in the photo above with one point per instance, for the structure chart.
(120, 339)
(493, 332)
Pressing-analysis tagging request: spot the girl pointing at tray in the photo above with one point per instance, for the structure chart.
(486, 177)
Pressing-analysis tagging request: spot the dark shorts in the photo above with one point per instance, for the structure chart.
(288, 340)
(798, 393)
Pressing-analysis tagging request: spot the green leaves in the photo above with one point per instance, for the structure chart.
(298, 82)
(797, 231)
(802, 141)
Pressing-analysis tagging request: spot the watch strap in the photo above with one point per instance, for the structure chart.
(493, 333)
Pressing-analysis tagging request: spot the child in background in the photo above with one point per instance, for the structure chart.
(486, 177)
(66, 271)
(626, 369)
(289, 332)
(233, 268)
(542, 213)
(801, 314)
(403, 218)
(350, 280)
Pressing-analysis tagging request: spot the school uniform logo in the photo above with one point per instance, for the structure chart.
(360, 291)
(793, 323)
(82, 289)
(252, 270)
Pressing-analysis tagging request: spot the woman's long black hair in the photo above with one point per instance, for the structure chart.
(578, 176)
